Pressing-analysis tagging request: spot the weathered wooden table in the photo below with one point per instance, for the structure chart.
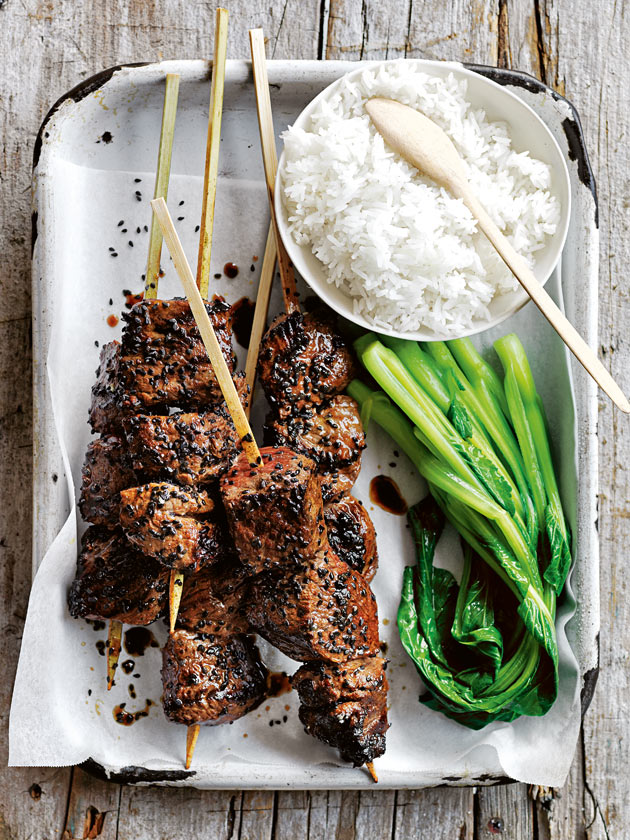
(47, 46)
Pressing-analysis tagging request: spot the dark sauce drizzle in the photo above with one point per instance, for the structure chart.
(242, 320)
(385, 493)
(125, 718)
(138, 639)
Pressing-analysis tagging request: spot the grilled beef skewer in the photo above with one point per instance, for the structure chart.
(305, 600)
(212, 672)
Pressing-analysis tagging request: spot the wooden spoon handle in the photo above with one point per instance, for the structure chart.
(565, 329)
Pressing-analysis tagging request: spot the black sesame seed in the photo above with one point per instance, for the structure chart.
(216, 276)
(111, 302)
(181, 203)
(180, 218)
(196, 228)
(121, 223)
(137, 180)
(130, 244)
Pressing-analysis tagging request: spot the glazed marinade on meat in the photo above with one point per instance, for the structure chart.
(330, 433)
(106, 471)
(213, 599)
(304, 599)
(161, 362)
(274, 511)
(211, 679)
(115, 581)
(352, 536)
(345, 705)
(185, 447)
(172, 524)
(302, 362)
(324, 611)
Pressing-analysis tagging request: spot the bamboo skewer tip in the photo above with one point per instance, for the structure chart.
(372, 771)
(114, 641)
(175, 589)
(192, 733)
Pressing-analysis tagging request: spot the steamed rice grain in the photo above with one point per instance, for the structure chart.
(405, 251)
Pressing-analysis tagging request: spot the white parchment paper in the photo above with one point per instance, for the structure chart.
(60, 665)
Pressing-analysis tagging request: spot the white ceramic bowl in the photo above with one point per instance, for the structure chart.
(528, 133)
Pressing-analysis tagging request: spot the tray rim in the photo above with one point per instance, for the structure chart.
(585, 393)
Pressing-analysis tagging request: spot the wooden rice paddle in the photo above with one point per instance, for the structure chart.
(219, 365)
(423, 144)
(206, 227)
(270, 161)
(152, 277)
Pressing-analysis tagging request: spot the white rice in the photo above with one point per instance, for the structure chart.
(406, 252)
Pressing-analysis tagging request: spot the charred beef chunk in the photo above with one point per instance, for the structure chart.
(105, 409)
(105, 473)
(345, 705)
(326, 611)
(332, 435)
(213, 599)
(187, 448)
(211, 679)
(302, 362)
(115, 581)
(172, 524)
(275, 511)
(163, 360)
(352, 536)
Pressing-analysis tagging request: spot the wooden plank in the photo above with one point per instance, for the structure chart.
(156, 813)
(582, 48)
(92, 808)
(257, 813)
(504, 810)
(439, 813)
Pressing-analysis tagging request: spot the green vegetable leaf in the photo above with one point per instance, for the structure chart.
(458, 415)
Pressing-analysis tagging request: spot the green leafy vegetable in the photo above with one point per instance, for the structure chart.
(486, 648)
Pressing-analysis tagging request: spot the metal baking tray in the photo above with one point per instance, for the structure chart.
(79, 129)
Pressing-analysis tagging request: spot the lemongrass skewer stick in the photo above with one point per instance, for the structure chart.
(270, 161)
(221, 370)
(260, 314)
(163, 170)
(197, 306)
(176, 584)
(192, 733)
(162, 176)
(372, 771)
(212, 152)
(114, 640)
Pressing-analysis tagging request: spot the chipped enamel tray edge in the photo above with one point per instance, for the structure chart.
(579, 262)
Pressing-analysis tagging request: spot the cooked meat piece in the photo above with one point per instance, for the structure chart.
(345, 706)
(302, 362)
(275, 512)
(325, 611)
(171, 524)
(332, 435)
(105, 409)
(325, 684)
(352, 536)
(115, 581)
(163, 360)
(213, 599)
(106, 472)
(211, 679)
(188, 448)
